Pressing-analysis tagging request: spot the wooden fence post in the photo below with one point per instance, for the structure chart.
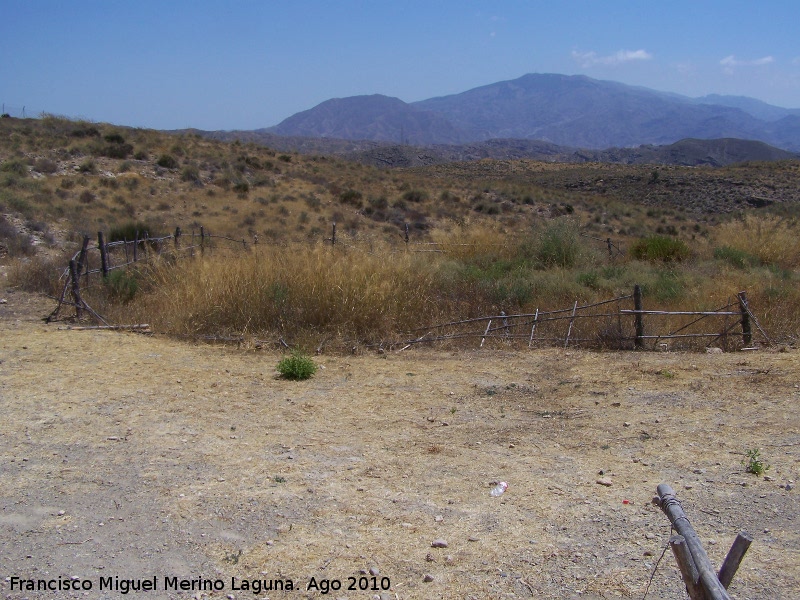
(136, 246)
(406, 234)
(82, 258)
(333, 234)
(177, 239)
(747, 333)
(76, 291)
(101, 243)
(202, 241)
(638, 317)
(610, 249)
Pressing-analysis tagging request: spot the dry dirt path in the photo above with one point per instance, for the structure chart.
(127, 457)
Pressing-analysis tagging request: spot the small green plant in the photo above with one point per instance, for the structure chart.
(279, 479)
(122, 285)
(297, 366)
(754, 463)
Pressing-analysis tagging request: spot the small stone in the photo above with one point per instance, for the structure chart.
(472, 538)
(688, 486)
(650, 536)
(449, 559)
(788, 487)
(429, 557)
(61, 513)
(647, 553)
(438, 543)
(605, 481)
(713, 350)
(626, 424)
(428, 578)
(112, 438)
(374, 571)
(438, 518)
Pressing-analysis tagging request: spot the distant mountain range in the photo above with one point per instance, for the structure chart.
(572, 111)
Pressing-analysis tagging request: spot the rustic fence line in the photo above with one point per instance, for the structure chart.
(140, 249)
(621, 328)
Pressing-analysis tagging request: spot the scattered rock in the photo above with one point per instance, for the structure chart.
(438, 518)
(438, 543)
(713, 350)
(605, 481)
(472, 538)
(429, 557)
(374, 571)
(428, 578)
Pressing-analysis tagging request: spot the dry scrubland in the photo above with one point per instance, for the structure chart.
(515, 235)
(132, 456)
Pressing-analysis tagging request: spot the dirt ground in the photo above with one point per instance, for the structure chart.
(132, 457)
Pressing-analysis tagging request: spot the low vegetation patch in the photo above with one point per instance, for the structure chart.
(297, 366)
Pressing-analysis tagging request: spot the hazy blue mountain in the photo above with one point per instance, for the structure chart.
(574, 111)
(375, 117)
(757, 108)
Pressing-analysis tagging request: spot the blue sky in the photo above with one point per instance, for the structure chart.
(249, 64)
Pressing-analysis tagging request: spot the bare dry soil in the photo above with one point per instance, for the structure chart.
(128, 457)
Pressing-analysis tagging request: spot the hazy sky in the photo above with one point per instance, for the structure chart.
(249, 64)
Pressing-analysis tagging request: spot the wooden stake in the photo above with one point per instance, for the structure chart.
(638, 319)
(571, 321)
(708, 578)
(533, 327)
(747, 332)
(683, 557)
(76, 291)
(735, 555)
(483, 339)
(101, 243)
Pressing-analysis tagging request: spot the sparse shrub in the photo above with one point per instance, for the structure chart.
(45, 165)
(86, 197)
(241, 187)
(352, 197)
(190, 173)
(658, 248)
(127, 231)
(753, 462)
(559, 245)
(285, 158)
(736, 257)
(122, 285)
(88, 166)
(415, 196)
(297, 366)
(167, 161)
(15, 166)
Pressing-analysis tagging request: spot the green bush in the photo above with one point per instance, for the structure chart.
(14, 165)
(122, 285)
(297, 366)
(127, 231)
(659, 248)
(167, 161)
(737, 258)
(559, 245)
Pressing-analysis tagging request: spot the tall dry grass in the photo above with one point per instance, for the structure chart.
(297, 291)
(773, 240)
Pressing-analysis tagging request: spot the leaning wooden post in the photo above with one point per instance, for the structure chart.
(136, 246)
(333, 234)
(76, 290)
(639, 317)
(571, 321)
(610, 249)
(747, 332)
(708, 578)
(689, 574)
(406, 234)
(734, 558)
(177, 238)
(101, 243)
(82, 256)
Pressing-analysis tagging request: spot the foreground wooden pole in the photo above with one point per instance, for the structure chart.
(683, 557)
(735, 555)
(638, 319)
(707, 578)
(747, 332)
